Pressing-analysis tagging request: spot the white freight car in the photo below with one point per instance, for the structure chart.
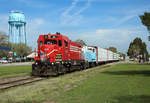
(102, 55)
(110, 55)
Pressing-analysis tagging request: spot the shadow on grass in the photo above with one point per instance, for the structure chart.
(22, 102)
(133, 72)
(132, 99)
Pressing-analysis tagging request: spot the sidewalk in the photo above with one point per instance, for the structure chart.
(16, 64)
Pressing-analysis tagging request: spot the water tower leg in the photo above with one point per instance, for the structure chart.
(25, 33)
(8, 33)
(23, 38)
(14, 34)
(19, 34)
(11, 36)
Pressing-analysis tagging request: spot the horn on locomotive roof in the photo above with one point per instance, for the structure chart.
(58, 33)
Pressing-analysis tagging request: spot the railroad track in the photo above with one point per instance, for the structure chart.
(17, 82)
(13, 82)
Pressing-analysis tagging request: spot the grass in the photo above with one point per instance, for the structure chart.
(121, 83)
(11, 71)
(47, 89)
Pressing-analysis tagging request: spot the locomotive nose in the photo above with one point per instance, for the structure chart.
(46, 51)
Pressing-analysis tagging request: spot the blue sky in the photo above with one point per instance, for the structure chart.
(98, 22)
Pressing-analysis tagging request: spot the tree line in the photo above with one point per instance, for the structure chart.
(21, 49)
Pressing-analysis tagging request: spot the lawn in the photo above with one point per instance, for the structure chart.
(120, 83)
(123, 83)
(11, 71)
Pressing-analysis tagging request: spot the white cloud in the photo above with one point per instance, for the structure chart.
(34, 29)
(38, 21)
(103, 0)
(124, 19)
(4, 23)
(33, 3)
(74, 19)
(117, 37)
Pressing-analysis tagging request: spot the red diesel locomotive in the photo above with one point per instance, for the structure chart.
(57, 54)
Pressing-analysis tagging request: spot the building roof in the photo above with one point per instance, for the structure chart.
(32, 55)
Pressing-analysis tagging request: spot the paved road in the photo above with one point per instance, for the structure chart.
(16, 64)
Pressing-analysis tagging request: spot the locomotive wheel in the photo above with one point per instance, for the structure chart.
(87, 65)
(43, 69)
(55, 71)
(35, 70)
(83, 66)
(61, 69)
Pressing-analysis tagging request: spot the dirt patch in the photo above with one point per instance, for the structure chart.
(49, 101)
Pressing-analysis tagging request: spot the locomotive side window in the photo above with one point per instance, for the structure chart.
(66, 43)
(93, 50)
(52, 42)
(60, 42)
(53, 36)
(40, 43)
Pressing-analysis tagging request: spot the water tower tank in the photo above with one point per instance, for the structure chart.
(17, 25)
(16, 17)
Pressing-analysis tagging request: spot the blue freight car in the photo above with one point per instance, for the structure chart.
(89, 54)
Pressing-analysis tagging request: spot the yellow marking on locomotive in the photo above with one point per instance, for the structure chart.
(58, 57)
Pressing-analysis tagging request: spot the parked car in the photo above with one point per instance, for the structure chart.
(10, 60)
(3, 61)
(18, 59)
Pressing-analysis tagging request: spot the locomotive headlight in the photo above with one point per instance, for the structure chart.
(43, 58)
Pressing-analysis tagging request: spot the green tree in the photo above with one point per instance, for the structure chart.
(136, 48)
(21, 49)
(3, 39)
(113, 49)
(122, 55)
(3, 42)
(145, 19)
(80, 41)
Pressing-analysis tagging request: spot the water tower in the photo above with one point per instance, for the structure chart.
(17, 27)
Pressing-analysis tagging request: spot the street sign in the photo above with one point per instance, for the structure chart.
(15, 54)
(5, 48)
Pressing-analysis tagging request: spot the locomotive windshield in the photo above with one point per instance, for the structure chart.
(52, 42)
